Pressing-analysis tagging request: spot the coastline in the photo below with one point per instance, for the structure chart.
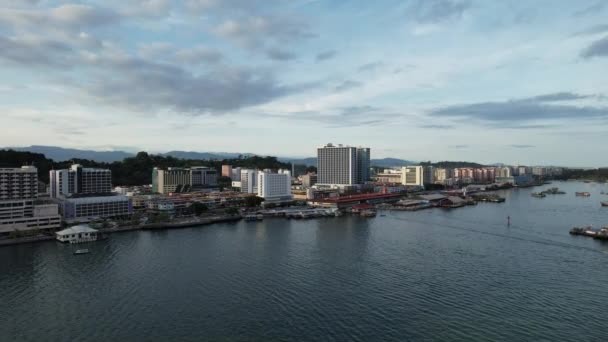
(149, 226)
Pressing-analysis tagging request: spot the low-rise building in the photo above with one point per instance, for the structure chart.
(308, 180)
(85, 209)
(77, 234)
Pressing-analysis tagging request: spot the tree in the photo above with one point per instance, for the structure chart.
(198, 208)
(253, 201)
(311, 169)
(232, 211)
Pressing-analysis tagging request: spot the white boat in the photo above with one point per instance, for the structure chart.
(82, 251)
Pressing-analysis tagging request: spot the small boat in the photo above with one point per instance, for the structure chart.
(538, 195)
(81, 251)
(604, 204)
(253, 217)
(583, 194)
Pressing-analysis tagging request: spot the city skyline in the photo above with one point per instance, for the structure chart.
(418, 80)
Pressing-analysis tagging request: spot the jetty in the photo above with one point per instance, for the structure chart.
(599, 234)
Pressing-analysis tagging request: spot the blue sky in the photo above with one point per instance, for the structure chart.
(487, 81)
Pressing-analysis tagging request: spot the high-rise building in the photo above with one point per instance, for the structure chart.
(19, 208)
(428, 176)
(177, 179)
(342, 165)
(249, 181)
(412, 175)
(80, 181)
(274, 187)
(85, 194)
(227, 171)
(363, 164)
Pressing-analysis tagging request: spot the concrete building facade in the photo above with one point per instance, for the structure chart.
(19, 208)
(412, 175)
(178, 180)
(343, 165)
(249, 180)
(78, 180)
(274, 187)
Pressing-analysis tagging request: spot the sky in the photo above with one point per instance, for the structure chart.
(521, 82)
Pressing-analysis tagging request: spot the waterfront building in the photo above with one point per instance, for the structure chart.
(504, 172)
(177, 179)
(89, 208)
(77, 234)
(249, 181)
(412, 176)
(85, 194)
(227, 171)
(539, 171)
(78, 180)
(309, 180)
(342, 165)
(274, 187)
(20, 210)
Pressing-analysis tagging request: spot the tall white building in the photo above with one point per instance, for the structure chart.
(19, 208)
(412, 175)
(274, 187)
(249, 181)
(342, 165)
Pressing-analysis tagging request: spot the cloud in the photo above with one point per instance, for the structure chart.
(143, 85)
(325, 55)
(69, 16)
(434, 11)
(280, 55)
(592, 9)
(436, 126)
(370, 66)
(556, 97)
(343, 117)
(522, 146)
(522, 111)
(34, 51)
(255, 32)
(347, 85)
(599, 48)
(593, 30)
(198, 55)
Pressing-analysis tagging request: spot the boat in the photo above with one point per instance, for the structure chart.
(604, 204)
(583, 194)
(368, 213)
(81, 251)
(538, 195)
(253, 217)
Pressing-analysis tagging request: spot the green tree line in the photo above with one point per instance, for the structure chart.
(135, 170)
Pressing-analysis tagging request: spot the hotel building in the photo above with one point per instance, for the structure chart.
(342, 165)
(19, 208)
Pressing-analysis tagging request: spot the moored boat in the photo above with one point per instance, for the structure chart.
(538, 195)
(583, 194)
(81, 251)
(604, 204)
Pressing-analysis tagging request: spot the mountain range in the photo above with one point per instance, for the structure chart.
(62, 154)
